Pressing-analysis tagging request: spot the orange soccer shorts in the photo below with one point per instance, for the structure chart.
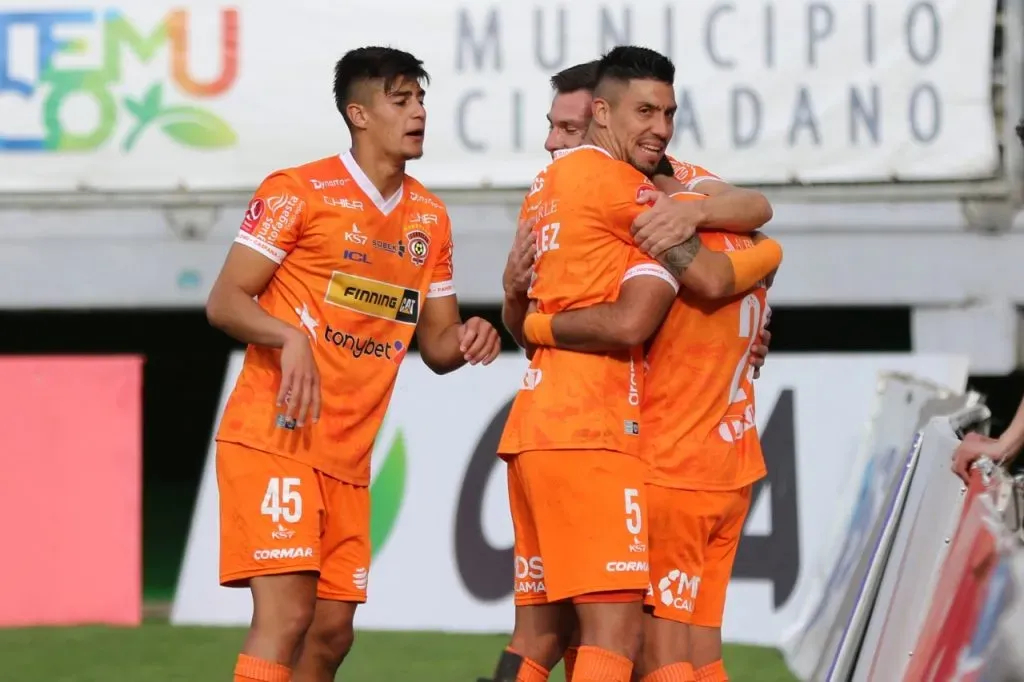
(580, 525)
(694, 537)
(280, 516)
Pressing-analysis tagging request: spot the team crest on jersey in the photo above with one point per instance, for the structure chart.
(419, 246)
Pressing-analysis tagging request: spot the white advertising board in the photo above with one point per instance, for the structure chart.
(158, 95)
(452, 536)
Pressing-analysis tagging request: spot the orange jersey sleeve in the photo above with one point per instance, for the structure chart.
(582, 207)
(442, 274)
(275, 218)
(698, 409)
(355, 270)
(690, 174)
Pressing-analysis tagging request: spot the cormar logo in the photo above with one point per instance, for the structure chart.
(387, 488)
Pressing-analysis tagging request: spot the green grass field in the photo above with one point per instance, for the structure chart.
(161, 653)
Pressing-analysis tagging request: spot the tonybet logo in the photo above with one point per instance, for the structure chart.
(58, 83)
(387, 489)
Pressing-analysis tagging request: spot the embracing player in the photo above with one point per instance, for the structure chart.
(337, 263)
(724, 206)
(572, 436)
(700, 441)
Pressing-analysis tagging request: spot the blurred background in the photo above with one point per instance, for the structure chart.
(132, 135)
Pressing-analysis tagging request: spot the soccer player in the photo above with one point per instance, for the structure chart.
(701, 443)
(733, 208)
(576, 483)
(336, 264)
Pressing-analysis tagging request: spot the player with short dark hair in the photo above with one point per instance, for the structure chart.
(571, 463)
(337, 263)
(732, 208)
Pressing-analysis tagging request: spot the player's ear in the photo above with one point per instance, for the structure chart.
(601, 110)
(358, 115)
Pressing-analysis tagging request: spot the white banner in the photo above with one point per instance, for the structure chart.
(206, 96)
(822, 643)
(927, 524)
(453, 533)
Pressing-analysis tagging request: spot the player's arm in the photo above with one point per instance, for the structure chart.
(251, 262)
(707, 273)
(232, 307)
(720, 274)
(445, 341)
(250, 265)
(725, 207)
(643, 301)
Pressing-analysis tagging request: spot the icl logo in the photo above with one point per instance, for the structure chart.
(74, 92)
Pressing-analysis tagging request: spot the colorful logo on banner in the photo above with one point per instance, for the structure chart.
(72, 75)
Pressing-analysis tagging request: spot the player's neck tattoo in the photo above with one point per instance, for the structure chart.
(679, 257)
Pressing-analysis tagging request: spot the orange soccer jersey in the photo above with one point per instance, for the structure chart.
(354, 270)
(691, 175)
(582, 206)
(698, 411)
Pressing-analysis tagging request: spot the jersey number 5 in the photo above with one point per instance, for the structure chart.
(634, 522)
(282, 500)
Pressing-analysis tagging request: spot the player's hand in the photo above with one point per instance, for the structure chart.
(519, 266)
(759, 351)
(666, 224)
(300, 380)
(479, 341)
(974, 447)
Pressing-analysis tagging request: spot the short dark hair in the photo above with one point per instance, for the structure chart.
(385, 64)
(575, 78)
(629, 62)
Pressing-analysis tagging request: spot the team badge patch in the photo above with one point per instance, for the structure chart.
(419, 246)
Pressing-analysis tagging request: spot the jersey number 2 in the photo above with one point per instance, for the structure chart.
(282, 500)
(750, 329)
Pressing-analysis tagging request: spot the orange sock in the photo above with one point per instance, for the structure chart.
(249, 669)
(712, 672)
(531, 671)
(594, 664)
(677, 672)
(569, 662)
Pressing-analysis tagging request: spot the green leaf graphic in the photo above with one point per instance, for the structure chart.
(198, 128)
(153, 100)
(386, 493)
(135, 107)
(144, 110)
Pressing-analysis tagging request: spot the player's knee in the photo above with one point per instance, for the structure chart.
(285, 625)
(330, 640)
(614, 627)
